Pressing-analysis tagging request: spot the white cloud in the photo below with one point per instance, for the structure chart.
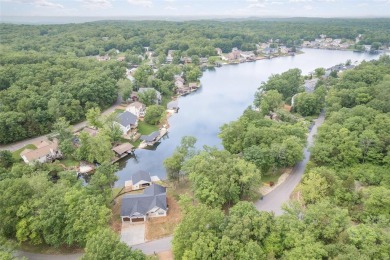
(308, 7)
(362, 4)
(42, 3)
(143, 3)
(97, 3)
(256, 5)
(171, 8)
(170, 1)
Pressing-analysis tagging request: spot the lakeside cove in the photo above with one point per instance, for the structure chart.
(225, 93)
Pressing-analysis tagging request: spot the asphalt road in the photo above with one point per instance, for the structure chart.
(272, 202)
(20, 144)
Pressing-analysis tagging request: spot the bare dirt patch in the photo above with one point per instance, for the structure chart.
(166, 255)
(164, 226)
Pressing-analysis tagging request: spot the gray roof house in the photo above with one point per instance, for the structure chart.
(152, 203)
(150, 139)
(173, 105)
(127, 121)
(141, 179)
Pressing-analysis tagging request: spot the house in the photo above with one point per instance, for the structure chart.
(310, 85)
(183, 90)
(46, 152)
(173, 105)
(193, 86)
(92, 132)
(203, 60)
(137, 108)
(141, 180)
(103, 58)
(248, 55)
(219, 51)
(151, 139)
(179, 84)
(158, 94)
(152, 203)
(127, 121)
(121, 58)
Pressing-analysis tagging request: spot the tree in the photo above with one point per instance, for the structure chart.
(105, 244)
(185, 151)
(319, 72)
(287, 83)
(102, 181)
(153, 114)
(6, 159)
(307, 104)
(197, 236)
(148, 97)
(268, 101)
(85, 214)
(125, 88)
(93, 117)
(142, 74)
(62, 130)
(220, 178)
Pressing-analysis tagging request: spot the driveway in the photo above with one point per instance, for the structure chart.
(133, 234)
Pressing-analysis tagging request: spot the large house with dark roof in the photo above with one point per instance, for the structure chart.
(152, 203)
(127, 121)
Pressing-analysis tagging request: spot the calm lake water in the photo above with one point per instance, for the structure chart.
(225, 93)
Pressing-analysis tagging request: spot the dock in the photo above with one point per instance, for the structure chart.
(150, 140)
(122, 151)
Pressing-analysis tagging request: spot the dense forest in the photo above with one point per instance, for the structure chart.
(45, 71)
(343, 207)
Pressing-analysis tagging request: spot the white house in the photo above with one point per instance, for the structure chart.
(46, 151)
(137, 108)
(127, 121)
(152, 203)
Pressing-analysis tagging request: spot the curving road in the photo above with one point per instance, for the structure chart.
(272, 202)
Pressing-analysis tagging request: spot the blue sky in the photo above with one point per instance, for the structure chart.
(191, 8)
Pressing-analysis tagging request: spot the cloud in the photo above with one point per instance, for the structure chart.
(143, 3)
(171, 8)
(170, 1)
(256, 5)
(362, 4)
(42, 3)
(308, 7)
(97, 3)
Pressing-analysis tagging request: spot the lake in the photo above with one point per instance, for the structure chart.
(225, 93)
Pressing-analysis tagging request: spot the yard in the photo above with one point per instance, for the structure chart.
(146, 129)
(16, 154)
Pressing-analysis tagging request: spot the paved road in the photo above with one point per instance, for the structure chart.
(155, 246)
(20, 144)
(273, 201)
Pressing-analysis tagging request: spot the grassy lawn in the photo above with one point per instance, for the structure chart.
(69, 162)
(118, 111)
(271, 177)
(146, 129)
(136, 143)
(16, 154)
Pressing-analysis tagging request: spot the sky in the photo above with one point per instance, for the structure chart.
(196, 8)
